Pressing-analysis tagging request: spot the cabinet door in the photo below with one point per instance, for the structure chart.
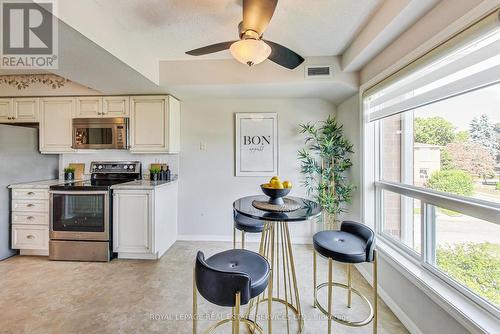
(26, 110)
(88, 107)
(115, 106)
(132, 221)
(6, 113)
(148, 124)
(56, 124)
(174, 125)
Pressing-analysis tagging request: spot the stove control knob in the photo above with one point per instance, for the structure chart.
(131, 167)
(125, 167)
(99, 167)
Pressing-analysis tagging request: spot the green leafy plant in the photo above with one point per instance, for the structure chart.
(434, 130)
(69, 170)
(453, 181)
(474, 265)
(323, 161)
(154, 170)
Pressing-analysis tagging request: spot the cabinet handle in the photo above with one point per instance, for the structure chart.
(30, 217)
(30, 205)
(30, 236)
(31, 193)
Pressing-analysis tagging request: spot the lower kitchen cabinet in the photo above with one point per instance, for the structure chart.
(144, 221)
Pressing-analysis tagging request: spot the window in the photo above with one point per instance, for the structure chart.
(436, 127)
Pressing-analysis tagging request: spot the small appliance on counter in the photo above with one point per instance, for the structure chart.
(81, 212)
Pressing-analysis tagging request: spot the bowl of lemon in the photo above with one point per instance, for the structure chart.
(276, 190)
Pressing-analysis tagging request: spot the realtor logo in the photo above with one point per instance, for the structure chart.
(29, 35)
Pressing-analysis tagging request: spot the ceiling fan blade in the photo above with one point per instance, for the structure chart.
(210, 49)
(257, 14)
(284, 56)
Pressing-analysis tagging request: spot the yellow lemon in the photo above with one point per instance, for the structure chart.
(279, 185)
(275, 178)
(287, 184)
(267, 185)
(275, 184)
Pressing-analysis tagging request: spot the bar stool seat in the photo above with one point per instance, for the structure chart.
(243, 261)
(247, 224)
(354, 243)
(340, 246)
(230, 278)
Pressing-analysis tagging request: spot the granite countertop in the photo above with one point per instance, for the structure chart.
(143, 184)
(45, 184)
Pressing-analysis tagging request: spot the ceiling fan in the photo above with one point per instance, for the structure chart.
(251, 49)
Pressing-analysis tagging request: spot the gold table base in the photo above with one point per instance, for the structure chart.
(276, 246)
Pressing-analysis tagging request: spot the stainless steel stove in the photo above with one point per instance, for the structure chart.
(81, 212)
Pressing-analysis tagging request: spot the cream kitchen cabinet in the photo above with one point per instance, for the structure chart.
(144, 219)
(19, 110)
(115, 106)
(56, 124)
(88, 107)
(154, 124)
(102, 106)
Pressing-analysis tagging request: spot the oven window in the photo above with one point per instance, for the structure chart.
(94, 136)
(79, 213)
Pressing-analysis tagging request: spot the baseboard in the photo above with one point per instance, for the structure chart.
(249, 237)
(398, 312)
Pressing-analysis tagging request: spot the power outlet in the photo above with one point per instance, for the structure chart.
(203, 146)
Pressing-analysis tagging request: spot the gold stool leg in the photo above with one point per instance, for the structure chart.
(314, 278)
(243, 239)
(349, 284)
(236, 318)
(375, 292)
(234, 237)
(195, 303)
(330, 294)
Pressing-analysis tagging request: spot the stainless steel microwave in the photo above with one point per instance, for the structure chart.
(100, 133)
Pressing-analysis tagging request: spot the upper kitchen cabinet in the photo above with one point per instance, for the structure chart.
(115, 106)
(56, 124)
(88, 107)
(102, 106)
(6, 110)
(19, 110)
(154, 124)
(26, 110)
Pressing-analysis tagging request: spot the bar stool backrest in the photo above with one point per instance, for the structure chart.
(364, 232)
(220, 287)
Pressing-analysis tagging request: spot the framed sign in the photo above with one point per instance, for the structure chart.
(256, 144)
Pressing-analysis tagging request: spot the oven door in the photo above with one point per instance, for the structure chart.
(99, 133)
(79, 215)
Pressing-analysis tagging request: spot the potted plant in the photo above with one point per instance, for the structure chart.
(323, 161)
(154, 173)
(69, 173)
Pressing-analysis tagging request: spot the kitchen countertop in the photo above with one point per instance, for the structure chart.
(45, 184)
(143, 184)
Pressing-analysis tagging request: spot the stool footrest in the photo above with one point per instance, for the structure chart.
(340, 320)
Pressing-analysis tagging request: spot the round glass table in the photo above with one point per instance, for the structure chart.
(276, 246)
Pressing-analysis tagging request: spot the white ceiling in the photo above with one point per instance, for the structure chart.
(311, 28)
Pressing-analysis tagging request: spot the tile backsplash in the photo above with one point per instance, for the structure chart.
(117, 155)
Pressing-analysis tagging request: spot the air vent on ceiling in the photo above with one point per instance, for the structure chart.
(319, 71)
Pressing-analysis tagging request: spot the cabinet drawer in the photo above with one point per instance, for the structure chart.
(30, 194)
(30, 237)
(30, 205)
(30, 218)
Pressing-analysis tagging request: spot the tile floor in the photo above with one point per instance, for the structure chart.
(130, 296)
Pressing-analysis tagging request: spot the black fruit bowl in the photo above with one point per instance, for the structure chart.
(275, 195)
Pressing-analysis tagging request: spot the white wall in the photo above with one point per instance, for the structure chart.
(348, 116)
(118, 155)
(208, 187)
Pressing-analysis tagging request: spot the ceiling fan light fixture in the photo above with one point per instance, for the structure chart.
(250, 51)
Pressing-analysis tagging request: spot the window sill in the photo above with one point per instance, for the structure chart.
(473, 317)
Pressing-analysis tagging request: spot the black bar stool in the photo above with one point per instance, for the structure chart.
(354, 243)
(245, 225)
(230, 278)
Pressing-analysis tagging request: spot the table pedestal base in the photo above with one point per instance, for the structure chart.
(276, 246)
